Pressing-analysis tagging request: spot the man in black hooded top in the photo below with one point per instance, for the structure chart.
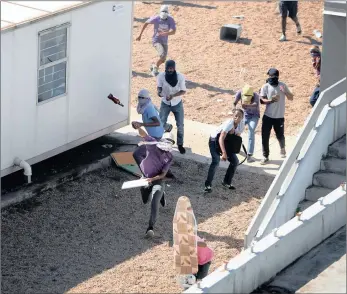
(171, 86)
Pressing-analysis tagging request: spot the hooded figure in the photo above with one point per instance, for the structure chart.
(144, 99)
(273, 74)
(164, 12)
(170, 73)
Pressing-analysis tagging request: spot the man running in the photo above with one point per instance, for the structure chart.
(171, 85)
(154, 159)
(273, 94)
(289, 8)
(164, 26)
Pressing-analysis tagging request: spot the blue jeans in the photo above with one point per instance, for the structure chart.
(178, 112)
(234, 161)
(252, 123)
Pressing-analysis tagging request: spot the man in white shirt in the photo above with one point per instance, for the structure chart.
(171, 86)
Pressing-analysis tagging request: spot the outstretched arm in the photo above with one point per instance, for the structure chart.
(145, 25)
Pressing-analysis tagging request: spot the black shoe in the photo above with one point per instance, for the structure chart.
(149, 232)
(181, 149)
(169, 128)
(170, 175)
(163, 201)
(208, 189)
(231, 187)
(144, 194)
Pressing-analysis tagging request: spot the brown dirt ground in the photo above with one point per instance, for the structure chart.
(217, 69)
(87, 236)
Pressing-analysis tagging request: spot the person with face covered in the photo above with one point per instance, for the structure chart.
(171, 85)
(273, 94)
(150, 116)
(316, 63)
(154, 159)
(164, 26)
(234, 125)
(250, 105)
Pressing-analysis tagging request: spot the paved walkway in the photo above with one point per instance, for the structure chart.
(322, 270)
(196, 138)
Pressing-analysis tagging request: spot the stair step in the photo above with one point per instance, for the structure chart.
(338, 149)
(334, 165)
(313, 193)
(305, 204)
(328, 180)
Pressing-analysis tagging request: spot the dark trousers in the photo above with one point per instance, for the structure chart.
(203, 271)
(154, 192)
(234, 161)
(315, 95)
(268, 124)
(288, 8)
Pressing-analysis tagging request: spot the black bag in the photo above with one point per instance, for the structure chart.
(232, 145)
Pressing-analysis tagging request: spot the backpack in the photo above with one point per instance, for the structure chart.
(232, 145)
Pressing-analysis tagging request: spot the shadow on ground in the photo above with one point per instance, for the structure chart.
(141, 20)
(83, 228)
(310, 41)
(191, 85)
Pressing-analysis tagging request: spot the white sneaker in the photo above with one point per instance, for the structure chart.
(265, 160)
(250, 159)
(283, 38)
(155, 71)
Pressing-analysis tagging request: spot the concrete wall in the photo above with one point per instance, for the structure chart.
(270, 255)
(300, 177)
(334, 50)
(99, 63)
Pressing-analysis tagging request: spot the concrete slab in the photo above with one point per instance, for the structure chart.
(322, 270)
(196, 138)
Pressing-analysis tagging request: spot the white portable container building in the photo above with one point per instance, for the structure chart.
(59, 62)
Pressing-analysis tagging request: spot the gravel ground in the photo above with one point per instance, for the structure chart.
(217, 69)
(88, 235)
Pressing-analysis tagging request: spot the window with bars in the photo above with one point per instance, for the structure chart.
(52, 63)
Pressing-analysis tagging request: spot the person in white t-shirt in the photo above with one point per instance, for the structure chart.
(171, 86)
(235, 125)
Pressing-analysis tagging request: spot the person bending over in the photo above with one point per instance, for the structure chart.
(154, 159)
(234, 125)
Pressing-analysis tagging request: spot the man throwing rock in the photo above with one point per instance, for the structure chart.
(164, 26)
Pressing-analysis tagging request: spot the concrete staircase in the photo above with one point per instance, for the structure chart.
(330, 176)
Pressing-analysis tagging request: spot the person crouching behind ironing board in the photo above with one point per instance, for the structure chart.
(154, 164)
(235, 125)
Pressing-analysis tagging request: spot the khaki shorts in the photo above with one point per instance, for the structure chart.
(161, 49)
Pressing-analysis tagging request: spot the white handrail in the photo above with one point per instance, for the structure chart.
(325, 98)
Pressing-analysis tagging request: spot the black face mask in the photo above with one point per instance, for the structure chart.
(273, 81)
(171, 78)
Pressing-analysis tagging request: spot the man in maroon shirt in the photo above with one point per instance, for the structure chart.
(154, 159)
